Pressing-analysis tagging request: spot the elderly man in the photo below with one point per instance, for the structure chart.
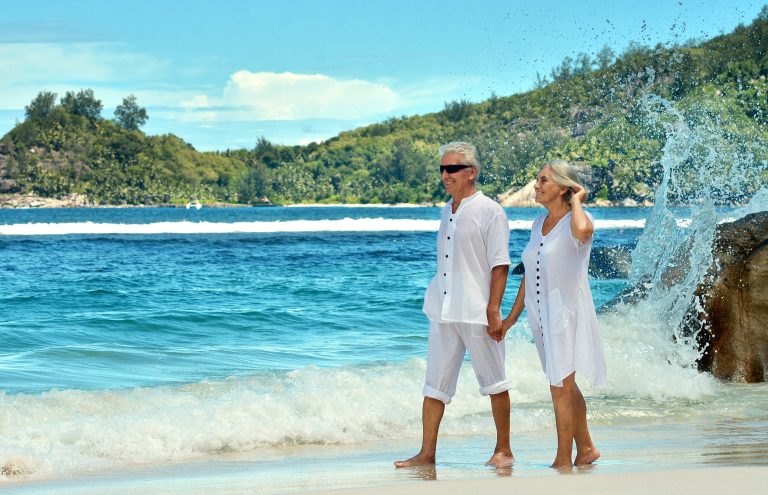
(463, 303)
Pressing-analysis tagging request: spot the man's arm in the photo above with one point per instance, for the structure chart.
(498, 284)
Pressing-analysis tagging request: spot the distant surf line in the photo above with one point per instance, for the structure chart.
(288, 226)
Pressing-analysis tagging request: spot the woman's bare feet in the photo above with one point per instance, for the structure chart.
(562, 462)
(417, 460)
(563, 467)
(587, 457)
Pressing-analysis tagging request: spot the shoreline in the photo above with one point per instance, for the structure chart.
(367, 470)
(637, 457)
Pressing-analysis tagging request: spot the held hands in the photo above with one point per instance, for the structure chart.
(498, 328)
(495, 329)
(508, 323)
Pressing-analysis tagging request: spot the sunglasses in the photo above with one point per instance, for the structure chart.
(452, 169)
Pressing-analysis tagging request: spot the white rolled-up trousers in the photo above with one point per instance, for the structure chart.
(448, 342)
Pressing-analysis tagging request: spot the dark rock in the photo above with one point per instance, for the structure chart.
(519, 269)
(734, 302)
(630, 295)
(608, 262)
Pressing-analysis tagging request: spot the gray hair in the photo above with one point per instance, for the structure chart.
(466, 150)
(564, 174)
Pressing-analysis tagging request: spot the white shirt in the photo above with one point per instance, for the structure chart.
(561, 312)
(470, 243)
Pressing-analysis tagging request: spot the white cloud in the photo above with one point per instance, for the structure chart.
(289, 96)
(28, 68)
(197, 101)
(35, 62)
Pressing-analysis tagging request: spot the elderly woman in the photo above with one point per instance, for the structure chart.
(561, 313)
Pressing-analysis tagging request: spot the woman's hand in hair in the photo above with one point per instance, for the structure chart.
(579, 194)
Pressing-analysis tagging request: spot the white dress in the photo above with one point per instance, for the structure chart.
(561, 312)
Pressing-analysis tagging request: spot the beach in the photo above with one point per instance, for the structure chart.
(714, 481)
(641, 460)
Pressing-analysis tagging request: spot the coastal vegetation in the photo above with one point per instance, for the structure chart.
(591, 110)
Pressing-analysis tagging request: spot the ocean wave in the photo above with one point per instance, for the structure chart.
(186, 227)
(63, 432)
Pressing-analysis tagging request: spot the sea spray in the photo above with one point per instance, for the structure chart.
(704, 167)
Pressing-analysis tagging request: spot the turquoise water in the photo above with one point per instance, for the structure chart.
(159, 335)
(117, 310)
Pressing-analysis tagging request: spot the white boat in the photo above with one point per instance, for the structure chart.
(194, 204)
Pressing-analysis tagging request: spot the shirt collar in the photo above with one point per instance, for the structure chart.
(465, 201)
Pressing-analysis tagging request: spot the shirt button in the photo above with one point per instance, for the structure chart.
(446, 255)
(443, 274)
(537, 292)
(449, 238)
(450, 219)
(541, 244)
(445, 293)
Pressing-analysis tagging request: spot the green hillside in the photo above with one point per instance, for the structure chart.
(592, 111)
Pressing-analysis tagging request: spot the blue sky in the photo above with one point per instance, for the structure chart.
(221, 74)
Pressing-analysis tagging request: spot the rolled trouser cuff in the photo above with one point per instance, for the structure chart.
(496, 388)
(436, 394)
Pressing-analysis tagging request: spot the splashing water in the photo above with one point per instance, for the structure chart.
(704, 169)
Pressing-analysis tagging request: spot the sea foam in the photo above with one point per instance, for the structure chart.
(61, 432)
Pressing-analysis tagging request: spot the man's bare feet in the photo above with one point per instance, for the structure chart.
(587, 457)
(501, 460)
(417, 460)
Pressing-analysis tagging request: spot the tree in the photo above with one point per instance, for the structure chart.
(564, 70)
(129, 115)
(540, 81)
(252, 186)
(456, 111)
(583, 64)
(267, 152)
(83, 103)
(604, 57)
(42, 106)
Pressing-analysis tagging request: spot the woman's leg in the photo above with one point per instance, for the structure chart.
(571, 423)
(586, 452)
(562, 403)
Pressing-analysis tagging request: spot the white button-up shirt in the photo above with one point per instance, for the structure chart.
(470, 243)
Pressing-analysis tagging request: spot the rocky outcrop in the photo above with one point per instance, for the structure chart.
(735, 303)
(522, 198)
(27, 201)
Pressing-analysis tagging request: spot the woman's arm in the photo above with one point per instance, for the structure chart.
(517, 309)
(581, 228)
